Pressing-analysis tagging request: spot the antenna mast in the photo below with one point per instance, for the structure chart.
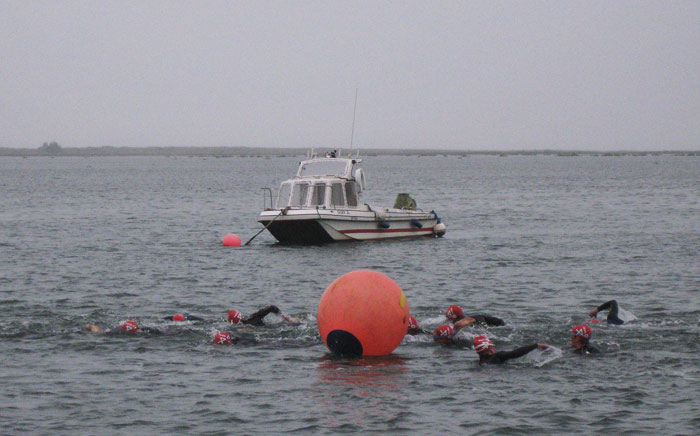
(354, 109)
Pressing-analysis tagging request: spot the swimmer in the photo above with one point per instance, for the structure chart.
(613, 310)
(413, 328)
(225, 338)
(488, 354)
(236, 317)
(183, 317)
(127, 327)
(580, 335)
(456, 316)
(445, 335)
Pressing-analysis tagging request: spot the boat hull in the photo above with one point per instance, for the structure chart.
(321, 226)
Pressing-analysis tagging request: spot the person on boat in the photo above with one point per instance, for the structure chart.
(236, 317)
(488, 354)
(183, 317)
(613, 311)
(455, 314)
(580, 337)
(445, 335)
(414, 328)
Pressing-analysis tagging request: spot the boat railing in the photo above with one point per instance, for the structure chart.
(265, 197)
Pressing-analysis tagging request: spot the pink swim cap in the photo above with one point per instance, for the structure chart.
(444, 333)
(130, 327)
(482, 344)
(223, 338)
(235, 316)
(454, 313)
(582, 330)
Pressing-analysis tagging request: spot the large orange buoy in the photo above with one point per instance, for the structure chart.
(363, 313)
(232, 240)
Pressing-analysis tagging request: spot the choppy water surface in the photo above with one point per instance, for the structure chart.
(537, 240)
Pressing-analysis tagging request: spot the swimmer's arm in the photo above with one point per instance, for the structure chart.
(612, 304)
(194, 318)
(493, 321)
(257, 317)
(518, 352)
(464, 322)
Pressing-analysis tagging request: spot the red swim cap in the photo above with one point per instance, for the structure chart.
(223, 338)
(582, 330)
(179, 317)
(482, 344)
(443, 333)
(130, 327)
(454, 313)
(235, 316)
(412, 322)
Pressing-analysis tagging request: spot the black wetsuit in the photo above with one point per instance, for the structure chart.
(587, 349)
(418, 331)
(187, 316)
(612, 313)
(487, 320)
(504, 356)
(257, 317)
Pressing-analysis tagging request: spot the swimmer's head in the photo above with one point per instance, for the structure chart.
(130, 327)
(179, 317)
(443, 334)
(454, 313)
(412, 322)
(483, 345)
(580, 335)
(92, 328)
(223, 338)
(235, 316)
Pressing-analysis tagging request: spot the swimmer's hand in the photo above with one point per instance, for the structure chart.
(544, 347)
(291, 319)
(593, 313)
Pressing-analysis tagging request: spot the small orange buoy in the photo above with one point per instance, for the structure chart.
(363, 313)
(232, 240)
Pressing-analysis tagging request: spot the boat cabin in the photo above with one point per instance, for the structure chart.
(324, 183)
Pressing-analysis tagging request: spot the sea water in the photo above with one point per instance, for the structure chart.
(536, 240)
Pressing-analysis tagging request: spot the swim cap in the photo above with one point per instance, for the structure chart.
(223, 338)
(412, 322)
(582, 330)
(454, 313)
(130, 327)
(235, 316)
(179, 317)
(443, 333)
(482, 343)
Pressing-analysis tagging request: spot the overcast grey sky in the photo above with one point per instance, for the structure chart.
(588, 75)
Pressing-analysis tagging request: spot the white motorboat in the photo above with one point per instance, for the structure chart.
(322, 204)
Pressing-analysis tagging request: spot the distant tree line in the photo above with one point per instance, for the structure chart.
(51, 148)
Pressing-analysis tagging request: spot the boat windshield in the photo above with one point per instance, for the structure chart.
(283, 196)
(331, 167)
(299, 194)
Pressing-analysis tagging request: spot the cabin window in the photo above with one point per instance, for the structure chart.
(337, 194)
(351, 193)
(319, 195)
(283, 196)
(299, 193)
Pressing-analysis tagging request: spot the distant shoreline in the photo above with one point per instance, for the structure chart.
(291, 152)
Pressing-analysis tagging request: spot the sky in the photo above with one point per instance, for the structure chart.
(457, 75)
